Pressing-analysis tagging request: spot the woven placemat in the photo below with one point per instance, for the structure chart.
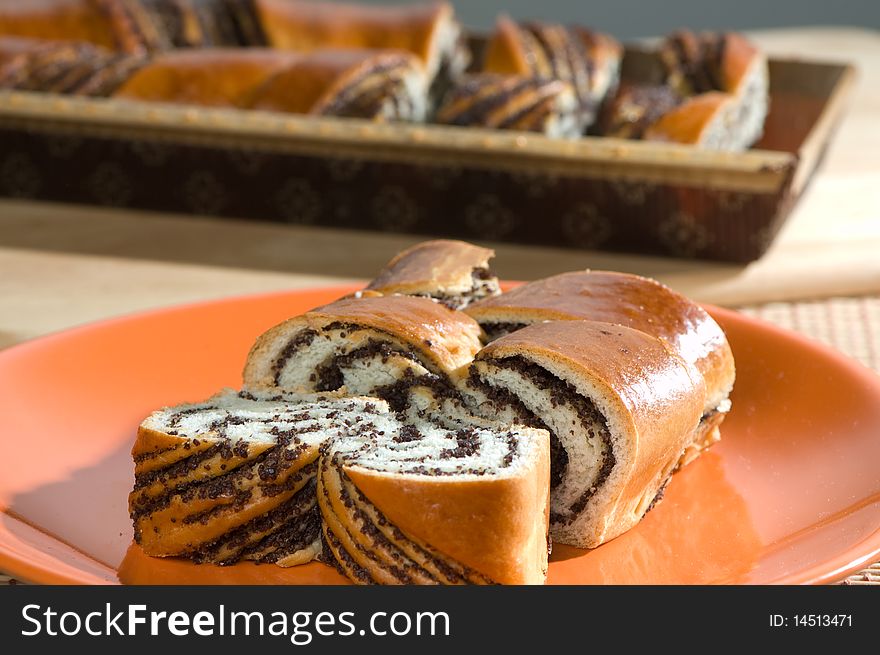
(851, 325)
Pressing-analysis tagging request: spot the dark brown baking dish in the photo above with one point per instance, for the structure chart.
(594, 193)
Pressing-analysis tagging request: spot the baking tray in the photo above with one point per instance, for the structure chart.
(592, 193)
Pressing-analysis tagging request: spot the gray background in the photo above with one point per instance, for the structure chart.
(629, 19)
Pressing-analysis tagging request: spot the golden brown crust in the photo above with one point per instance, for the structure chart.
(212, 77)
(690, 122)
(450, 338)
(447, 339)
(62, 20)
(304, 26)
(618, 359)
(585, 58)
(312, 82)
(497, 527)
(369, 548)
(723, 79)
(505, 53)
(740, 58)
(432, 267)
(631, 300)
(508, 50)
(649, 396)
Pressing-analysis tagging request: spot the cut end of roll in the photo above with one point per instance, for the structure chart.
(233, 478)
(432, 506)
(363, 344)
(618, 426)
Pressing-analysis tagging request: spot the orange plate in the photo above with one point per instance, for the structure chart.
(790, 495)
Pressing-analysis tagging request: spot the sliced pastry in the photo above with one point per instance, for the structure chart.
(206, 23)
(380, 85)
(636, 302)
(620, 405)
(376, 85)
(710, 120)
(588, 60)
(404, 349)
(513, 102)
(429, 30)
(76, 68)
(210, 77)
(234, 477)
(454, 272)
(424, 505)
(726, 78)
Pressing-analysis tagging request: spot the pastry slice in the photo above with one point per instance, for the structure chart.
(379, 85)
(423, 505)
(233, 477)
(727, 80)
(427, 30)
(76, 68)
(456, 273)
(404, 349)
(710, 120)
(513, 102)
(352, 83)
(620, 405)
(205, 23)
(635, 302)
(588, 60)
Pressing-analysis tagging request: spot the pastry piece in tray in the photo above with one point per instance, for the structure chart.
(712, 120)
(634, 109)
(635, 302)
(513, 102)
(725, 80)
(378, 85)
(211, 77)
(36, 65)
(621, 407)
(713, 61)
(454, 272)
(100, 22)
(588, 60)
(424, 505)
(75, 68)
(135, 25)
(429, 31)
(206, 23)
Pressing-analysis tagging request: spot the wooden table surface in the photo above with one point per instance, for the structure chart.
(61, 266)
